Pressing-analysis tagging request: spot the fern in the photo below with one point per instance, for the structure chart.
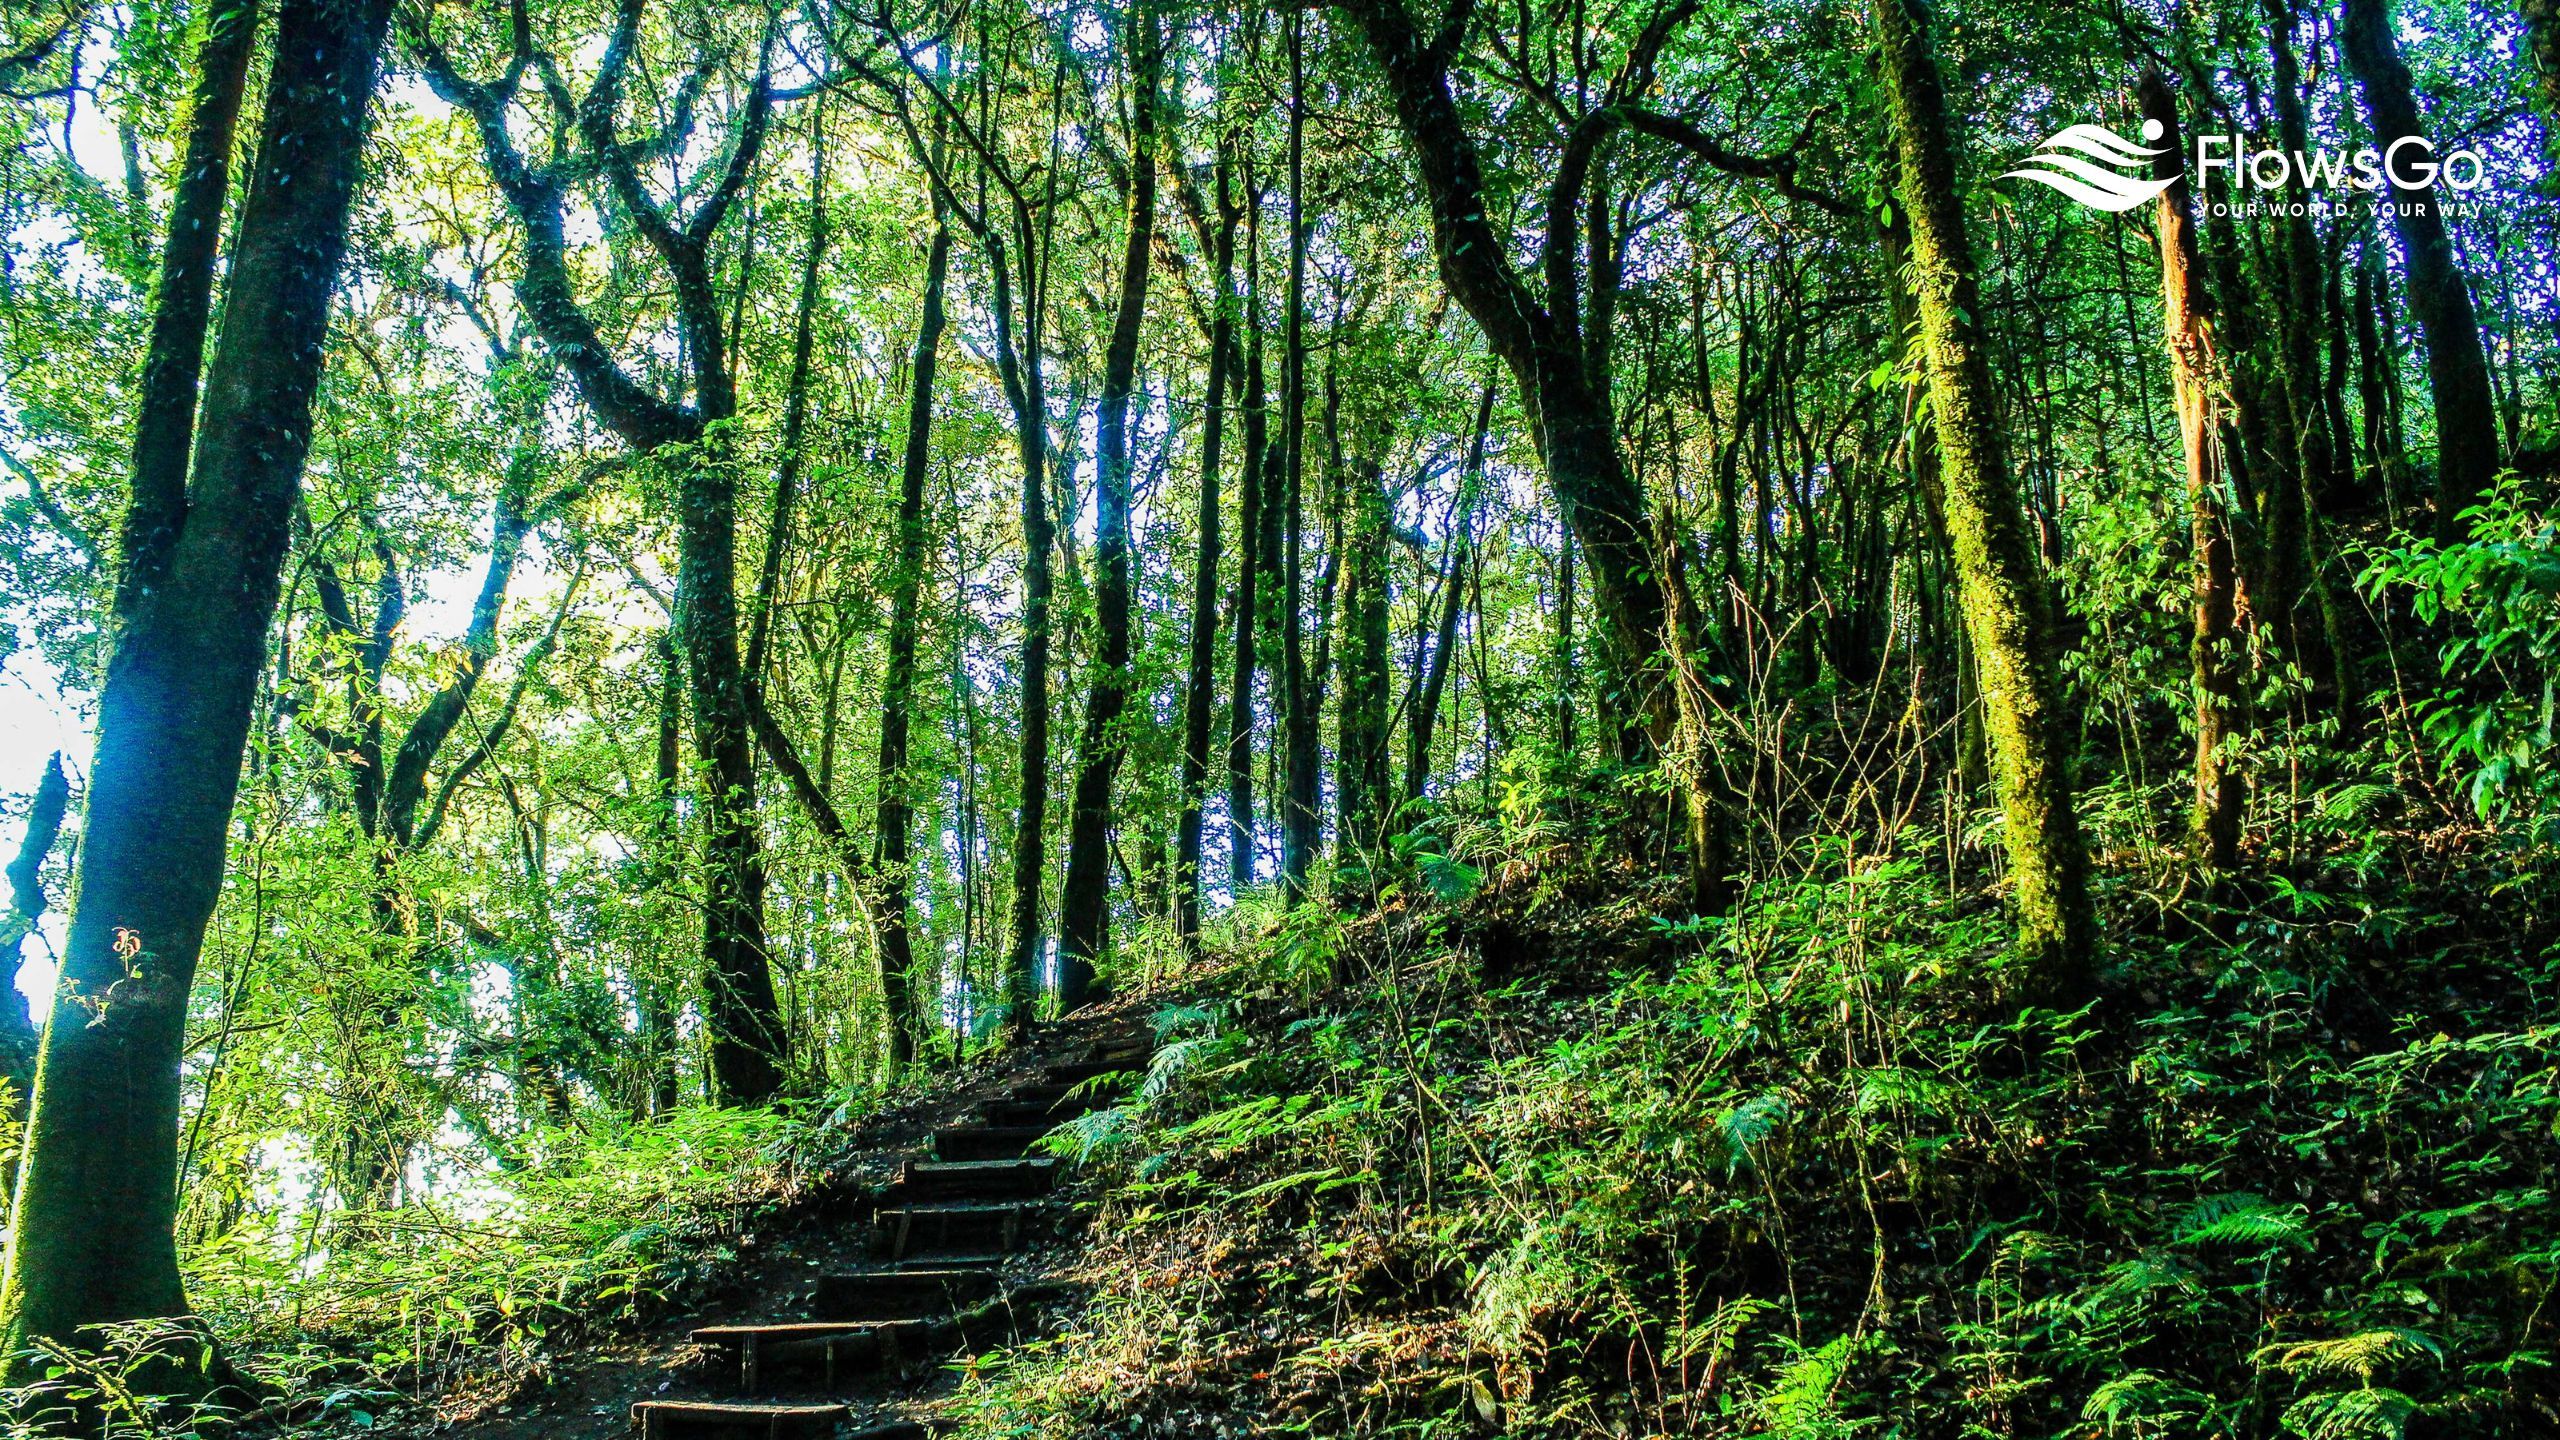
(2142, 1403)
(1803, 1405)
(1750, 1123)
(2239, 1219)
(2367, 1414)
(2361, 1356)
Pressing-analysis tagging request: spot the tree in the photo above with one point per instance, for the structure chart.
(92, 1239)
(1199, 694)
(896, 814)
(1302, 760)
(18, 1038)
(1084, 913)
(2005, 604)
(748, 1047)
(2457, 365)
(2197, 385)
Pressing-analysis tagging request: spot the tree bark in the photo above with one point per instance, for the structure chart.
(2004, 598)
(1365, 787)
(1254, 513)
(1300, 742)
(896, 814)
(2457, 364)
(2197, 385)
(93, 1238)
(1084, 906)
(45, 810)
(658, 1040)
(1434, 680)
(1200, 684)
(164, 428)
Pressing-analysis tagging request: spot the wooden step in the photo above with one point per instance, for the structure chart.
(1046, 1112)
(707, 1420)
(1050, 1102)
(829, 1346)
(991, 1263)
(965, 1226)
(984, 1142)
(975, 1179)
(1077, 1072)
(901, 1294)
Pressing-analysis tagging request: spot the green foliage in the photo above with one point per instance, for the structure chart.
(2498, 593)
(1782, 1179)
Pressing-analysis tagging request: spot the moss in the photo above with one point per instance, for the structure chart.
(1999, 588)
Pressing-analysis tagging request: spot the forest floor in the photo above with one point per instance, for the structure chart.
(1540, 1160)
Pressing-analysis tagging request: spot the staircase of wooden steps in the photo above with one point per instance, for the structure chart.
(957, 1238)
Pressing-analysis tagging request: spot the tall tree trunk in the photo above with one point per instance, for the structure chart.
(1254, 513)
(2004, 598)
(1433, 681)
(748, 1044)
(1084, 906)
(1567, 668)
(1020, 364)
(2315, 483)
(164, 428)
(1299, 834)
(93, 1236)
(1366, 785)
(1541, 344)
(1200, 685)
(896, 822)
(657, 1003)
(2197, 386)
(2457, 364)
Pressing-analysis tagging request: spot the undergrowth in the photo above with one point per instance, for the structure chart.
(326, 1321)
(1547, 1163)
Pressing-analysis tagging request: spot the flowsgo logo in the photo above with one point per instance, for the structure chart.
(2086, 163)
(2099, 189)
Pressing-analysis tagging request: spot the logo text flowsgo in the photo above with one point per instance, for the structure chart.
(2086, 162)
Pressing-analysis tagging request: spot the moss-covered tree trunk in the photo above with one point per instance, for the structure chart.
(895, 815)
(2002, 594)
(2197, 386)
(1084, 905)
(1254, 513)
(93, 1239)
(164, 428)
(1199, 694)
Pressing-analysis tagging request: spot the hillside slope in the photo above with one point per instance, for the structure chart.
(1542, 1163)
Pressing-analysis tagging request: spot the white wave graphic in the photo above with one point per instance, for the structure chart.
(2094, 185)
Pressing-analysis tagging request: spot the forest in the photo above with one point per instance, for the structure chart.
(1578, 718)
